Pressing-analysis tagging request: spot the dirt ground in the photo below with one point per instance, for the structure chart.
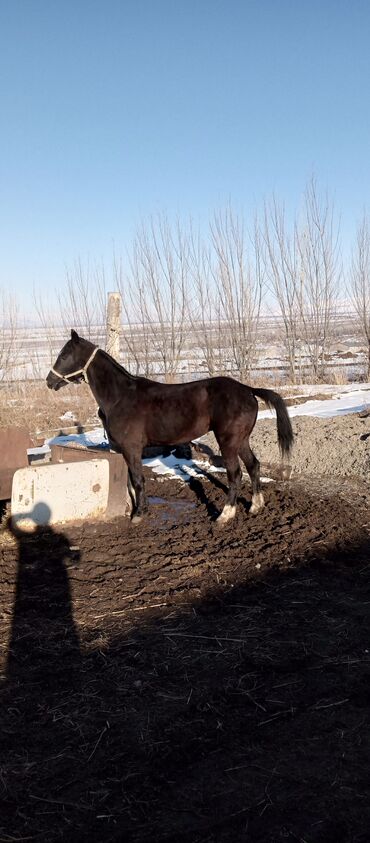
(177, 682)
(337, 446)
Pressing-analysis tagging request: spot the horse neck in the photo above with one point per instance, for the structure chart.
(107, 380)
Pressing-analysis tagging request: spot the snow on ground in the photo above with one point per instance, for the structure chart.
(181, 468)
(334, 390)
(185, 469)
(68, 416)
(88, 439)
(346, 400)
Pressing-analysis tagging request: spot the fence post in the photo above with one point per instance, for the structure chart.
(114, 308)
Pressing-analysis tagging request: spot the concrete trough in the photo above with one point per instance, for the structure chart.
(54, 494)
(119, 502)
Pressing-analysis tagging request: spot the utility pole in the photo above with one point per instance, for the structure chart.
(114, 309)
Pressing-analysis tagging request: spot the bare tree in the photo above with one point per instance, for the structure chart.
(136, 332)
(360, 283)
(9, 329)
(51, 337)
(204, 310)
(81, 304)
(159, 289)
(304, 274)
(318, 276)
(83, 300)
(238, 274)
(283, 268)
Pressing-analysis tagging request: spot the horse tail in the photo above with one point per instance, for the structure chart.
(284, 427)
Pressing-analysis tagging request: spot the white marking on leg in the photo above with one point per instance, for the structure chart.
(227, 514)
(131, 489)
(258, 503)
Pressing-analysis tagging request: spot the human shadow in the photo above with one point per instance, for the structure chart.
(43, 632)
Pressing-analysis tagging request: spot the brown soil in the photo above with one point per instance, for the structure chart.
(41, 410)
(338, 446)
(177, 682)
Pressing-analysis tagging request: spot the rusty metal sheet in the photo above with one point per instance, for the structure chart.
(14, 442)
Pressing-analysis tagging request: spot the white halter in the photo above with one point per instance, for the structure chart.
(82, 371)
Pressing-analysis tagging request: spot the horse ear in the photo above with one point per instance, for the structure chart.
(74, 336)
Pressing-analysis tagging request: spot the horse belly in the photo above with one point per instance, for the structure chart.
(174, 431)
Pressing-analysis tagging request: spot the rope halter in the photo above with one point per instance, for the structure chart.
(82, 371)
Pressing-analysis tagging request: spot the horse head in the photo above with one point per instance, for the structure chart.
(72, 362)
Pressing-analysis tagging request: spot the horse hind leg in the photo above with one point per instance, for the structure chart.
(234, 476)
(253, 468)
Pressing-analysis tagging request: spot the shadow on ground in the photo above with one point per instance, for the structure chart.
(241, 717)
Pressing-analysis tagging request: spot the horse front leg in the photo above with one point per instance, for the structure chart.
(139, 501)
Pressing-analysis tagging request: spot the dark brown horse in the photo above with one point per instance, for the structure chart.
(137, 412)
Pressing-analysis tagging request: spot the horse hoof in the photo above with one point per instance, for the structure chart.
(136, 519)
(257, 503)
(219, 523)
(227, 514)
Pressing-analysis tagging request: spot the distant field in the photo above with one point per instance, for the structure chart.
(35, 351)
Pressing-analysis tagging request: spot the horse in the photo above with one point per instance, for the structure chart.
(137, 412)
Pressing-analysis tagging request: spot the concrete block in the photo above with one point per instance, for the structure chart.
(119, 501)
(54, 494)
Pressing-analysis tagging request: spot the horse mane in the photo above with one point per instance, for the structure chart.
(117, 365)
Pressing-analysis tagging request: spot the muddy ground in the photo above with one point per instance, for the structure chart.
(178, 682)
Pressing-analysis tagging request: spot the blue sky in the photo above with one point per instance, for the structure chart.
(111, 111)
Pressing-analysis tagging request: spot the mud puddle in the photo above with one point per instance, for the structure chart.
(170, 509)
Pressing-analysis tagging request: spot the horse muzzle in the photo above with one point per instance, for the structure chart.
(53, 382)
